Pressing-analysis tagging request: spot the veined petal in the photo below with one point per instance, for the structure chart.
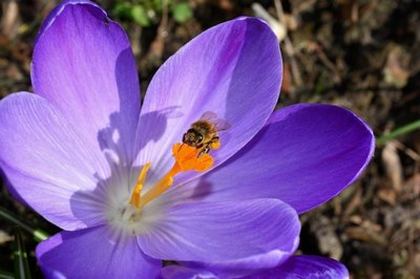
(182, 272)
(240, 234)
(94, 253)
(296, 267)
(47, 162)
(84, 66)
(58, 9)
(305, 155)
(306, 267)
(232, 70)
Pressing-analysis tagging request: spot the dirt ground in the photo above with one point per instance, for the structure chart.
(364, 55)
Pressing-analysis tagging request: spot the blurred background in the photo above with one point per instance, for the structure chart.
(363, 55)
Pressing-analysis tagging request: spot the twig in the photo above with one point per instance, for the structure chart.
(10, 17)
(297, 77)
(158, 45)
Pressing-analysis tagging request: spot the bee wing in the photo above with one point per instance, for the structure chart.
(219, 123)
(209, 116)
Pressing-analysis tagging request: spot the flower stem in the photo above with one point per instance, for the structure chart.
(6, 275)
(398, 132)
(21, 258)
(39, 235)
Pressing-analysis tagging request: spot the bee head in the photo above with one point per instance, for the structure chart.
(192, 138)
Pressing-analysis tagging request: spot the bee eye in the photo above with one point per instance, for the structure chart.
(200, 138)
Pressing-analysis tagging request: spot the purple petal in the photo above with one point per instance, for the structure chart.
(241, 234)
(84, 66)
(94, 253)
(57, 10)
(233, 70)
(47, 162)
(182, 272)
(305, 267)
(308, 267)
(304, 156)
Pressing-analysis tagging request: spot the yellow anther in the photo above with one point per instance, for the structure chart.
(157, 190)
(136, 194)
(187, 158)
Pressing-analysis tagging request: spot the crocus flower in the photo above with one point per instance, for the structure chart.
(118, 180)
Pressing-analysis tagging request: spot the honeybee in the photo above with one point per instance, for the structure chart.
(203, 134)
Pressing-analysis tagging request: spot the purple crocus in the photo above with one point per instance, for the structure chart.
(82, 154)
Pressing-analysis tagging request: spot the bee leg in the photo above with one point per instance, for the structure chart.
(204, 150)
(215, 143)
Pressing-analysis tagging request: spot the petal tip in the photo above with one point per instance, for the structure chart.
(57, 11)
(370, 141)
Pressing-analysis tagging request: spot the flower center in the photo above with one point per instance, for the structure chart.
(136, 218)
(186, 157)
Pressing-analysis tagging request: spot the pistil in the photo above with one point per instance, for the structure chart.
(187, 158)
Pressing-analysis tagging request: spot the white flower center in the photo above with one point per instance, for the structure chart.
(132, 221)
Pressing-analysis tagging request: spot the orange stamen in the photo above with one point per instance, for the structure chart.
(187, 158)
(136, 194)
